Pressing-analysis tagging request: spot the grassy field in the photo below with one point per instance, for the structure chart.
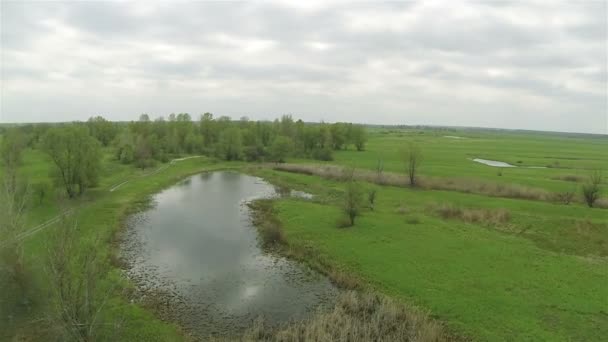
(540, 273)
(99, 216)
(446, 156)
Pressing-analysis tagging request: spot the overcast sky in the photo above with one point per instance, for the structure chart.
(508, 64)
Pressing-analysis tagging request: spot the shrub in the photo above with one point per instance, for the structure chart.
(412, 220)
(324, 153)
(271, 234)
(591, 190)
(565, 197)
(352, 202)
(41, 191)
(371, 197)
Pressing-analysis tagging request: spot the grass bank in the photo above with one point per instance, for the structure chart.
(100, 218)
(484, 273)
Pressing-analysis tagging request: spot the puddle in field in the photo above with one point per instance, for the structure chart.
(454, 137)
(494, 163)
(198, 247)
(497, 163)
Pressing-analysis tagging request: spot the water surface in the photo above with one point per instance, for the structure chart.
(197, 245)
(494, 163)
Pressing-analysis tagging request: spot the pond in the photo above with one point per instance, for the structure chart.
(494, 163)
(196, 246)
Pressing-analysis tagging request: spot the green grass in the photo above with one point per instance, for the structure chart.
(99, 216)
(447, 157)
(485, 282)
(540, 276)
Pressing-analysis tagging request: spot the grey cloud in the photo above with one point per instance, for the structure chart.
(315, 63)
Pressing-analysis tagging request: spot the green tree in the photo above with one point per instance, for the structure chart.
(102, 129)
(230, 145)
(76, 156)
(352, 200)
(359, 137)
(281, 148)
(142, 153)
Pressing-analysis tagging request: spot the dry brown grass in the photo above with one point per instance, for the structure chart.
(569, 178)
(483, 216)
(356, 317)
(602, 203)
(394, 179)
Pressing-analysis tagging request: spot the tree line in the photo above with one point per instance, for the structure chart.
(76, 149)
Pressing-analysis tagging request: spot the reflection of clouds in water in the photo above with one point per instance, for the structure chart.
(199, 238)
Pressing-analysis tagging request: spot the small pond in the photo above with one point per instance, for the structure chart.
(196, 245)
(494, 163)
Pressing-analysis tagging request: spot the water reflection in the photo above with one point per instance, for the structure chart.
(198, 243)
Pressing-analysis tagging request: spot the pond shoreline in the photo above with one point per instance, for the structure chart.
(165, 301)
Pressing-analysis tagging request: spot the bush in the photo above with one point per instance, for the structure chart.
(322, 154)
(591, 190)
(352, 202)
(41, 191)
(564, 197)
(271, 234)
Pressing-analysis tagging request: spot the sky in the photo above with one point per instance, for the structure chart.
(505, 64)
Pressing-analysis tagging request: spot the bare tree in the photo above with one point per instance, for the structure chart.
(371, 198)
(413, 159)
(591, 190)
(379, 170)
(352, 197)
(13, 200)
(74, 278)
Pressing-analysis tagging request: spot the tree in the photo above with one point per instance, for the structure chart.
(143, 153)
(339, 135)
(14, 196)
(11, 151)
(76, 156)
(77, 296)
(359, 137)
(413, 158)
(591, 190)
(352, 198)
(193, 143)
(371, 197)
(102, 129)
(230, 145)
(281, 147)
(379, 170)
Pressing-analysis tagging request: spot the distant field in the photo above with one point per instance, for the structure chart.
(445, 156)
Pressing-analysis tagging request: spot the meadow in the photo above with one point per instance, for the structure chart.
(486, 266)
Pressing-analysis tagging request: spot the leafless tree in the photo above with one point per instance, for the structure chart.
(13, 201)
(413, 159)
(379, 170)
(371, 198)
(74, 271)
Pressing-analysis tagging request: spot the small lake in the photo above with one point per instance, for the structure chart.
(198, 247)
(494, 163)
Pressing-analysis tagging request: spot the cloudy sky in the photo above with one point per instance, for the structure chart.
(510, 64)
